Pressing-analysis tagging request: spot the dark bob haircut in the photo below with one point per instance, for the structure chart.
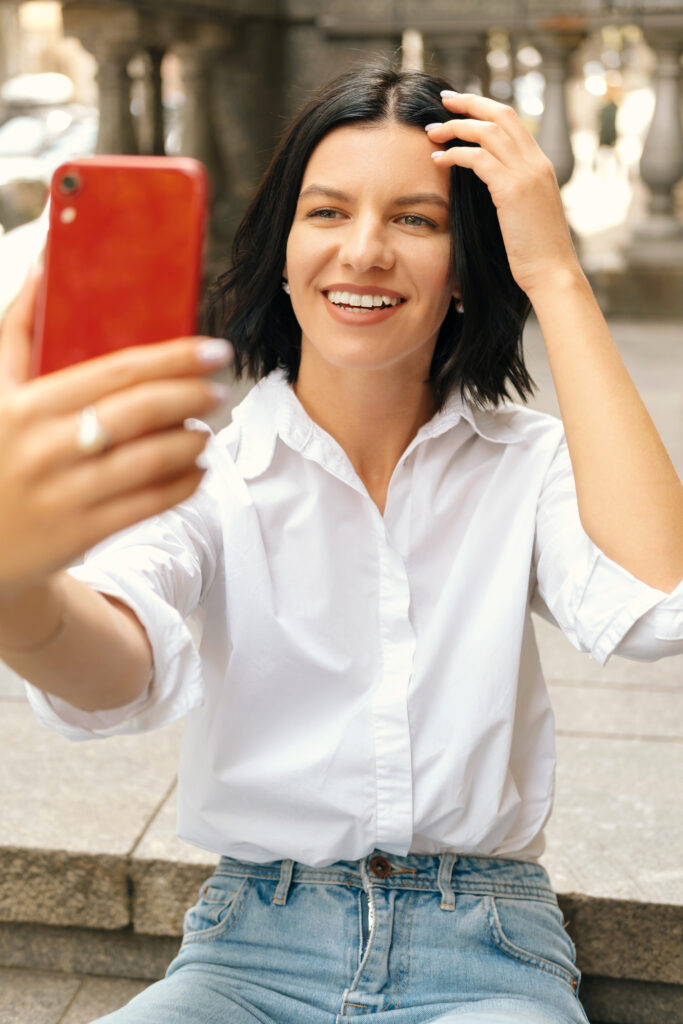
(478, 351)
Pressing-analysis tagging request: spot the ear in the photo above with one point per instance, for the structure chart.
(285, 280)
(457, 296)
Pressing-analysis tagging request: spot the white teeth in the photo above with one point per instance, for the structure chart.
(361, 302)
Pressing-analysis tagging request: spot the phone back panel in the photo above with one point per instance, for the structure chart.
(123, 257)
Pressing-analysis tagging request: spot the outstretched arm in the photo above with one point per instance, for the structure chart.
(630, 497)
(65, 638)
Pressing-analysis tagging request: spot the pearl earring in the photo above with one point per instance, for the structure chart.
(459, 306)
(285, 285)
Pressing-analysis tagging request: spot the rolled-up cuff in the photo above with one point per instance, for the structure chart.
(611, 586)
(175, 684)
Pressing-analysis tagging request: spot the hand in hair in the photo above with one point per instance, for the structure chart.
(521, 181)
(626, 484)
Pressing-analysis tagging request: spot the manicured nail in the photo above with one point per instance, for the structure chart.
(197, 426)
(437, 152)
(437, 124)
(449, 93)
(215, 350)
(220, 392)
(202, 461)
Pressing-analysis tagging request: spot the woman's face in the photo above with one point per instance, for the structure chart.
(368, 254)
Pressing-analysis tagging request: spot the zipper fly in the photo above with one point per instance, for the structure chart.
(371, 915)
(367, 921)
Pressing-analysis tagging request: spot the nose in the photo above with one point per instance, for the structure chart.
(365, 245)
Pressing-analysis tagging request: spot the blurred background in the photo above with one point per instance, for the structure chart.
(597, 81)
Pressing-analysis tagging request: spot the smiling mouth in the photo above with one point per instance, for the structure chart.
(355, 303)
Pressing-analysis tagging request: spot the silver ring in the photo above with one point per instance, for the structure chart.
(91, 436)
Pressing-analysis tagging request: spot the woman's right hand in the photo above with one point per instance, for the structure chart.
(56, 501)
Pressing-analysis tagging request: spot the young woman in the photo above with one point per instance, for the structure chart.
(369, 741)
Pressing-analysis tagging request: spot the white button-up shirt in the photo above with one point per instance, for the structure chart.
(366, 681)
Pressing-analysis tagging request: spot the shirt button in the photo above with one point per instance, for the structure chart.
(380, 867)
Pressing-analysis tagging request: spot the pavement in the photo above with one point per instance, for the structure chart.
(87, 841)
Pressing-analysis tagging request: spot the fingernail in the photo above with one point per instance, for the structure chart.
(437, 124)
(202, 461)
(449, 93)
(197, 425)
(437, 152)
(215, 350)
(220, 392)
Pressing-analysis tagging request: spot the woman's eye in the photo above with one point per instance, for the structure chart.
(324, 214)
(415, 221)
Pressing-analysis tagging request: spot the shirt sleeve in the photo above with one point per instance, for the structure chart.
(599, 605)
(161, 568)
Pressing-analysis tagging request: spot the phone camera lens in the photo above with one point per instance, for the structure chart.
(69, 183)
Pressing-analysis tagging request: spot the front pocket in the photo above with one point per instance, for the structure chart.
(532, 932)
(221, 902)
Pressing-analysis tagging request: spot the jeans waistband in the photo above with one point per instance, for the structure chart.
(447, 873)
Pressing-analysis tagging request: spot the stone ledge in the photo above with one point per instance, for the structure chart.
(622, 940)
(115, 954)
(607, 1001)
(640, 293)
(162, 892)
(58, 887)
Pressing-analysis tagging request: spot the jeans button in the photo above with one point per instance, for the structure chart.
(380, 867)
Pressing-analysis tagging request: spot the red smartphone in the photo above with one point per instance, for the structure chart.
(123, 257)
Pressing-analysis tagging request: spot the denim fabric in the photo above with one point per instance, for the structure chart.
(417, 939)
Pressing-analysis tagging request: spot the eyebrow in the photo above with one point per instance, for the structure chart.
(417, 199)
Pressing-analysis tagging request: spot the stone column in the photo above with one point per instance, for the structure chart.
(346, 52)
(152, 118)
(198, 133)
(10, 41)
(113, 33)
(116, 133)
(457, 58)
(315, 51)
(248, 88)
(553, 136)
(658, 239)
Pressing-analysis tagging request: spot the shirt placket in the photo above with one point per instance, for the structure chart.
(390, 701)
(391, 732)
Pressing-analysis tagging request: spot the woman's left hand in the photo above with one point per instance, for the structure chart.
(15, 336)
(522, 183)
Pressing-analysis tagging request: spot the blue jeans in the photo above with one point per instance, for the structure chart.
(468, 940)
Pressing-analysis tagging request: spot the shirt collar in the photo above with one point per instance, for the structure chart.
(271, 410)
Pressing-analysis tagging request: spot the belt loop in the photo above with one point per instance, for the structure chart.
(445, 871)
(286, 868)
